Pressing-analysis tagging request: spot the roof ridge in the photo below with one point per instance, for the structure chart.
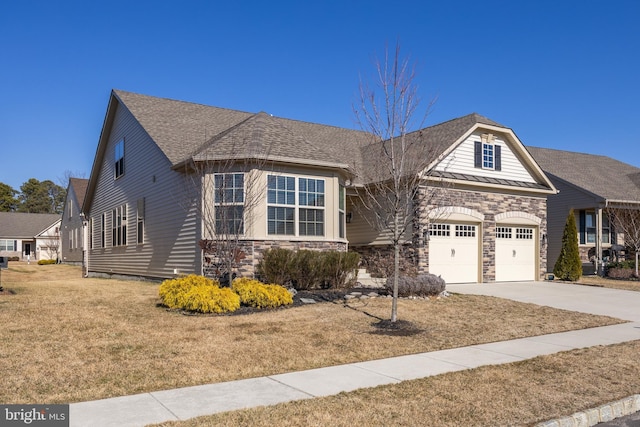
(118, 91)
(580, 153)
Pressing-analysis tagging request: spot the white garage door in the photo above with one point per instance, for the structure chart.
(454, 252)
(515, 253)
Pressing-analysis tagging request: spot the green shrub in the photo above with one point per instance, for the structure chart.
(338, 268)
(275, 266)
(422, 285)
(198, 293)
(46, 261)
(569, 266)
(256, 294)
(629, 263)
(305, 269)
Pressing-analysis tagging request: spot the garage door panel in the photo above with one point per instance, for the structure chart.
(453, 252)
(515, 253)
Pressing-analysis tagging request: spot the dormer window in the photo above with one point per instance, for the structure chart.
(487, 153)
(487, 156)
(119, 159)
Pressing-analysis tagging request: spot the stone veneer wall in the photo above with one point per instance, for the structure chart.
(489, 204)
(253, 251)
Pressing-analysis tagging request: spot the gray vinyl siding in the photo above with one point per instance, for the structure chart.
(558, 207)
(71, 225)
(171, 229)
(361, 232)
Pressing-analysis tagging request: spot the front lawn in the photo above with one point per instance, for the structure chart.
(69, 339)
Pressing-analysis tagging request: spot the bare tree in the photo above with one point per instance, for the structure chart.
(225, 182)
(395, 177)
(626, 220)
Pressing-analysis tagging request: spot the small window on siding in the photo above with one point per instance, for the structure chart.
(487, 156)
(140, 222)
(103, 230)
(119, 226)
(119, 159)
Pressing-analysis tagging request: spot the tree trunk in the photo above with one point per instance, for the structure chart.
(396, 276)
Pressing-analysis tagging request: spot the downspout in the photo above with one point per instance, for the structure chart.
(599, 269)
(85, 246)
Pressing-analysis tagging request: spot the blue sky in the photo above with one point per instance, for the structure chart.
(562, 74)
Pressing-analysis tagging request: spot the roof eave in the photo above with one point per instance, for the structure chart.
(269, 159)
(551, 191)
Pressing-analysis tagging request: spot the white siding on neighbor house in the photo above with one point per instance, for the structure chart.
(171, 230)
(461, 160)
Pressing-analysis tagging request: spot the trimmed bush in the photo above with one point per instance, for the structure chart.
(305, 269)
(46, 261)
(422, 285)
(338, 268)
(621, 273)
(256, 294)
(276, 266)
(198, 293)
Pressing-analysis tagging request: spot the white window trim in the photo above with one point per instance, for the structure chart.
(296, 206)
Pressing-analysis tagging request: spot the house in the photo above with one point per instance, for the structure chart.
(29, 236)
(71, 227)
(168, 176)
(488, 221)
(593, 186)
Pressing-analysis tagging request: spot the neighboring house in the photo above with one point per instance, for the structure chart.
(29, 236)
(147, 194)
(590, 185)
(71, 228)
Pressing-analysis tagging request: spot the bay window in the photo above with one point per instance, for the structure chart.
(291, 202)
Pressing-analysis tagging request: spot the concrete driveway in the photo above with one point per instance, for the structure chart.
(586, 299)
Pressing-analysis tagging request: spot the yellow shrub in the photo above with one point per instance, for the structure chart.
(256, 294)
(198, 293)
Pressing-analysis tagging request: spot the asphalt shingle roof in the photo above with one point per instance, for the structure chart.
(603, 176)
(19, 225)
(183, 129)
(79, 186)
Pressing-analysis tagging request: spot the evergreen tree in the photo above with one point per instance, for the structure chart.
(8, 201)
(41, 197)
(569, 266)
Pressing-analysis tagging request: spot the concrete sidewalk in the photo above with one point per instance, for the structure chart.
(189, 402)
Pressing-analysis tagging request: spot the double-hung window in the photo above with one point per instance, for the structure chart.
(8, 245)
(119, 159)
(341, 212)
(311, 211)
(119, 226)
(487, 155)
(295, 202)
(140, 222)
(229, 203)
(281, 202)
